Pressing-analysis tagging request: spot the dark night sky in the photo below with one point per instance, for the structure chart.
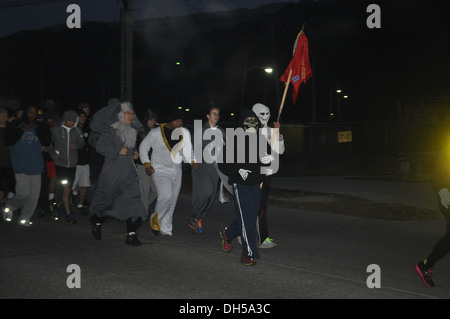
(37, 14)
(408, 56)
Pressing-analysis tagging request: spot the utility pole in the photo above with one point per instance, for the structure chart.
(126, 70)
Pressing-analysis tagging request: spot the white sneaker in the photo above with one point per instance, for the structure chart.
(25, 222)
(267, 243)
(7, 214)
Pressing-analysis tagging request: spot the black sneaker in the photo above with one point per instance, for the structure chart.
(132, 240)
(424, 273)
(96, 230)
(70, 219)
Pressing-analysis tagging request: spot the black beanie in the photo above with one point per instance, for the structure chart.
(175, 115)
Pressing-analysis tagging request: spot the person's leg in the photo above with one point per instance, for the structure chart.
(204, 188)
(96, 223)
(440, 250)
(132, 227)
(144, 185)
(164, 189)
(262, 229)
(65, 200)
(83, 185)
(166, 219)
(247, 200)
(30, 202)
(22, 192)
(442, 247)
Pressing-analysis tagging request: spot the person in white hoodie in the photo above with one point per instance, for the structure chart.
(171, 143)
(67, 139)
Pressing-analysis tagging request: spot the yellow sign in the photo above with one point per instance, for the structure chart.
(344, 136)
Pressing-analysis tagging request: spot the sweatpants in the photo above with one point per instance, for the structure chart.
(247, 199)
(168, 188)
(442, 247)
(28, 188)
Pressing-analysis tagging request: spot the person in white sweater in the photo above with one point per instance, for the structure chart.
(170, 144)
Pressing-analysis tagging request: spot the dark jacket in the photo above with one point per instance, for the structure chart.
(26, 153)
(245, 154)
(62, 137)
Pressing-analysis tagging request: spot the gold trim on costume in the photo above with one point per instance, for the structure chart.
(154, 223)
(166, 142)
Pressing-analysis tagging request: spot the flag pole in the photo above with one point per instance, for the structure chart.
(288, 80)
(284, 95)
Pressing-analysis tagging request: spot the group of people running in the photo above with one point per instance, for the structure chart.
(142, 166)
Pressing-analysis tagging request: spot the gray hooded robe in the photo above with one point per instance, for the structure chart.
(117, 194)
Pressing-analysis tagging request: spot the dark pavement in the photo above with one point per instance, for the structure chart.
(319, 255)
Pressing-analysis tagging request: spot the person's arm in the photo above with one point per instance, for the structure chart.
(144, 149)
(188, 150)
(109, 144)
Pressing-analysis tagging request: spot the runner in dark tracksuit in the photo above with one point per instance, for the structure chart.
(246, 178)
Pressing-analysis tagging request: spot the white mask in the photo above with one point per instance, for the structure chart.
(263, 113)
(251, 124)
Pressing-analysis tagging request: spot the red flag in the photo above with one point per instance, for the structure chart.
(301, 69)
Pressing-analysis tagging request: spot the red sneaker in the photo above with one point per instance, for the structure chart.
(225, 243)
(248, 260)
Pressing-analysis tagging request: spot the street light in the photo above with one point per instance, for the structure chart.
(266, 69)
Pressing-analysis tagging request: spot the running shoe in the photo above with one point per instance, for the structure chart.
(25, 222)
(96, 229)
(248, 260)
(424, 273)
(70, 219)
(54, 210)
(7, 214)
(132, 240)
(225, 243)
(267, 243)
(154, 225)
(196, 225)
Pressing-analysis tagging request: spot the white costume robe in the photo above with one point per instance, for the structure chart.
(168, 172)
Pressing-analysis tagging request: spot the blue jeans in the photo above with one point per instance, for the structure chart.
(247, 199)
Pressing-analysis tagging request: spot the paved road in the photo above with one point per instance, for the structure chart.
(319, 256)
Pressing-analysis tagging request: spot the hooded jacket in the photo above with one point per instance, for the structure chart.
(246, 158)
(26, 154)
(62, 138)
